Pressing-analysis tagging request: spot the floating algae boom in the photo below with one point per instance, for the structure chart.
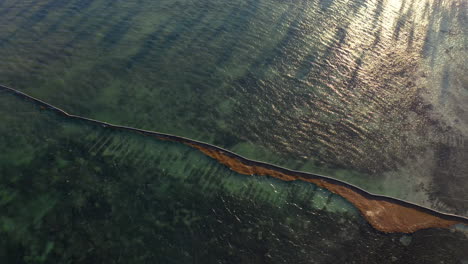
(384, 213)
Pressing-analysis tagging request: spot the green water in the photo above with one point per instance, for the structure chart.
(72, 192)
(372, 92)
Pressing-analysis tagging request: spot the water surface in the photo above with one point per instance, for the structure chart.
(372, 92)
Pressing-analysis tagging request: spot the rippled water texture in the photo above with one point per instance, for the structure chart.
(67, 196)
(370, 92)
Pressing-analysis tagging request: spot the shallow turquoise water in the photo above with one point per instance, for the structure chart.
(371, 92)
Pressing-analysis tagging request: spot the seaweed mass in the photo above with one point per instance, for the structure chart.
(384, 213)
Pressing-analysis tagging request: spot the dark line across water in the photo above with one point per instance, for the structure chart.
(249, 162)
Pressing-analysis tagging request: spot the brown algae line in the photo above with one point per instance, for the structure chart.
(384, 213)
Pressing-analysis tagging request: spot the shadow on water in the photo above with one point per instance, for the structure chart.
(438, 29)
(409, 46)
(377, 23)
(462, 15)
(85, 30)
(286, 53)
(403, 19)
(445, 85)
(242, 18)
(120, 29)
(356, 5)
(290, 42)
(286, 48)
(267, 57)
(36, 17)
(158, 41)
(325, 4)
(378, 13)
(42, 13)
(235, 21)
(7, 10)
(353, 80)
(428, 48)
(82, 29)
(294, 33)
(232, 24)
(339, 39)
(78, 8)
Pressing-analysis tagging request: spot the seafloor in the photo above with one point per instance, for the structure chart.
(371, 92)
